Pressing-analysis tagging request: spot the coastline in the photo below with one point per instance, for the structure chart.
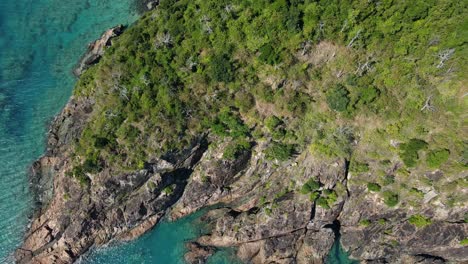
(55, 241)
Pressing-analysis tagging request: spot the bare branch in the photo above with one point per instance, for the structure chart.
(345, 25)
(428, 105)
(365, 67)
(350, 44)
(163, 40)
(444, 56)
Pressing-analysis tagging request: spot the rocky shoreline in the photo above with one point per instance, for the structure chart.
(290, 229)
(264, 218)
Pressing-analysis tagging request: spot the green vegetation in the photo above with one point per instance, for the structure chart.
(168, 190)
(365, 222)
(419, 220)
(373, 81)
(464, 242)
(358, 167)
(322, 202)
(409, 151)
(373, 187)
(279, 151)
(310, 186)
(338, 98)
(436, 158)
(391, 199)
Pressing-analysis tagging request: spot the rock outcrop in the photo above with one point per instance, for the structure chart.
(263, 214)
(96, 49)
(73, 217)
(197, 253)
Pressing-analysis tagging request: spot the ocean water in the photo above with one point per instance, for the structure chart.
(163, 245)
(40, 42)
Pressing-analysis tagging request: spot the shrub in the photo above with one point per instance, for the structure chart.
(244, 101)
(373, 187)
(419, 220)
(322, 202)
(338, 98)
(91, 165)
(416, 192)
(101, 142)
(272, 122)
(388, 179)
(358, 167)
(331, 197)
(268, 55)
(313, 196)
(309, 186)
(221, 69)
(409, 151)
(368, 95)
(279, 151)
(436, 158)
(390, 198)
(228, 123)
(365, 222)
(234, 149)
(168, 190)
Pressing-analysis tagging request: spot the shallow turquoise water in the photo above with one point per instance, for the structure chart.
(164, 245)
(40, 41)
(339, 256)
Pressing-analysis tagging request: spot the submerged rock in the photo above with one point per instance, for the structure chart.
(198, 254)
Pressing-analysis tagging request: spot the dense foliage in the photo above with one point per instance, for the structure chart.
(377, 80)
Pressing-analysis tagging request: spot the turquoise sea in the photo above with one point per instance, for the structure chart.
(40, 41)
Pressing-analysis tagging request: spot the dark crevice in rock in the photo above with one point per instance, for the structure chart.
(143, 211)
(431, 258)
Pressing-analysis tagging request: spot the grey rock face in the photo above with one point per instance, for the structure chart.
(96, 49)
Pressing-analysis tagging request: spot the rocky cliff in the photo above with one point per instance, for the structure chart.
(262, 214)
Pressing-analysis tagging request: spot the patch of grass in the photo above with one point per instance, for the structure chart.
(365, 222)
(464, 242)
(358, 167)
(168, 190)
(435, 158)
(419, 220)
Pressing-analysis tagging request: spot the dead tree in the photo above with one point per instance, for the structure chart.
(228, 8)
(365, 67)
(444, 56)
(124, 93)
(428, 105)
(205, 20)
(350, 44)
(163, 40)
(345, 25)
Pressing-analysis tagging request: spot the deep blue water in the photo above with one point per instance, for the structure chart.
(40, 42)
